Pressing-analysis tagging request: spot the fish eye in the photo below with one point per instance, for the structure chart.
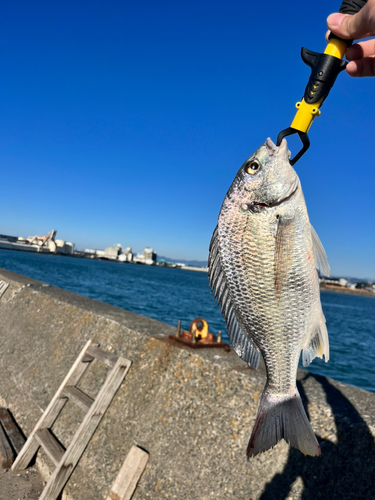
(252, 167)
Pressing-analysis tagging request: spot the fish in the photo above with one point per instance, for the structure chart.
(263, 264)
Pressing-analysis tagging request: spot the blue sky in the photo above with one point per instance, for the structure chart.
(126, 122)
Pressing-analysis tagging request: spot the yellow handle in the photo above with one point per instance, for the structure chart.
(336, 48)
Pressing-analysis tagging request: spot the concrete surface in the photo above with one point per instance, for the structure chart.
(24, 485)
(192, 410)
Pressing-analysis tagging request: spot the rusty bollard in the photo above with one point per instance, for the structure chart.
(193, 337)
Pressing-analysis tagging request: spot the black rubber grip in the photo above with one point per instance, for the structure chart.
(324, 71)
(351, 6)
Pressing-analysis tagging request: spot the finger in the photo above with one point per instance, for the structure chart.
(349, 27)
(361, 49)
(362, 67)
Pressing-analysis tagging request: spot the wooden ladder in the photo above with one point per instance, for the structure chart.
(3, 287)
(66, 460)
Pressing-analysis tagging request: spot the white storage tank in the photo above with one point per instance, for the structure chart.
(60, 246)
(52, 246)
(69, 248)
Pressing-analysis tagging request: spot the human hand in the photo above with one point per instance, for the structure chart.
(361, 25)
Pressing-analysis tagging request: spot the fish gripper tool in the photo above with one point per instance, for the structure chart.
(325, 68)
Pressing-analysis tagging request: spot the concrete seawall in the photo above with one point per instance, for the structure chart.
(193, 411)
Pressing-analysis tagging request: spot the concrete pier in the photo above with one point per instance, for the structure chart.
(192, 410)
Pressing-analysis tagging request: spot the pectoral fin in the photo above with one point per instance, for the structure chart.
(321, 261)
(284, 253)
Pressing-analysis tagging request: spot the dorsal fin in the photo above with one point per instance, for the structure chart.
(242, 345)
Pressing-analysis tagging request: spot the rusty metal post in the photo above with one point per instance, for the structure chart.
(178, 334)
(193, 337)
(219, 336)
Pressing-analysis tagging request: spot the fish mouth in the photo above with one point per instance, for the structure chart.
(273, 149)
(289, 195)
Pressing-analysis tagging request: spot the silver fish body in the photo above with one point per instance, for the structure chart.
(262, 265)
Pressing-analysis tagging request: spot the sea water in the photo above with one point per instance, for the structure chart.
(169, 295)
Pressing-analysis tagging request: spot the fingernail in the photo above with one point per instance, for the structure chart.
(335, 20)
(351, 66)
(354, 68)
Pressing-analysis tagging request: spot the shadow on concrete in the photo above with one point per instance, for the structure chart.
(345, 470)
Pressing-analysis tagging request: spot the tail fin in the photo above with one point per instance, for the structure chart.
(282, 417)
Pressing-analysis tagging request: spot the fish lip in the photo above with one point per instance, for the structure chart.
(274, 150)
(289, 195)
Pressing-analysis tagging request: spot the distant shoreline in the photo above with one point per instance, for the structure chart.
(341, 289)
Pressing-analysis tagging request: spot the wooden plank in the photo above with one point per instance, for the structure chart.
(85, 431)
(12, 431)
(129, 475)
(50, 445)
(104, 357)
(6, 452)
(3, 287)
(78, 397)
(51, 412)
(87, 359)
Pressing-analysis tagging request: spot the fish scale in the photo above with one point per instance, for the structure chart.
(264, 245)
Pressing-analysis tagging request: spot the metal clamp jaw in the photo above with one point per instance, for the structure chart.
(302, 135)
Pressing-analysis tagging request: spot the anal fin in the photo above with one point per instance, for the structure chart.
(319, 344)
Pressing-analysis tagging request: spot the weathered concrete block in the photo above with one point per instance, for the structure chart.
(193, 411)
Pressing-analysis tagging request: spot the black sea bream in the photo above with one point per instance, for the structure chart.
(262, 265)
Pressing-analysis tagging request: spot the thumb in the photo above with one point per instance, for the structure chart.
(349, 27)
